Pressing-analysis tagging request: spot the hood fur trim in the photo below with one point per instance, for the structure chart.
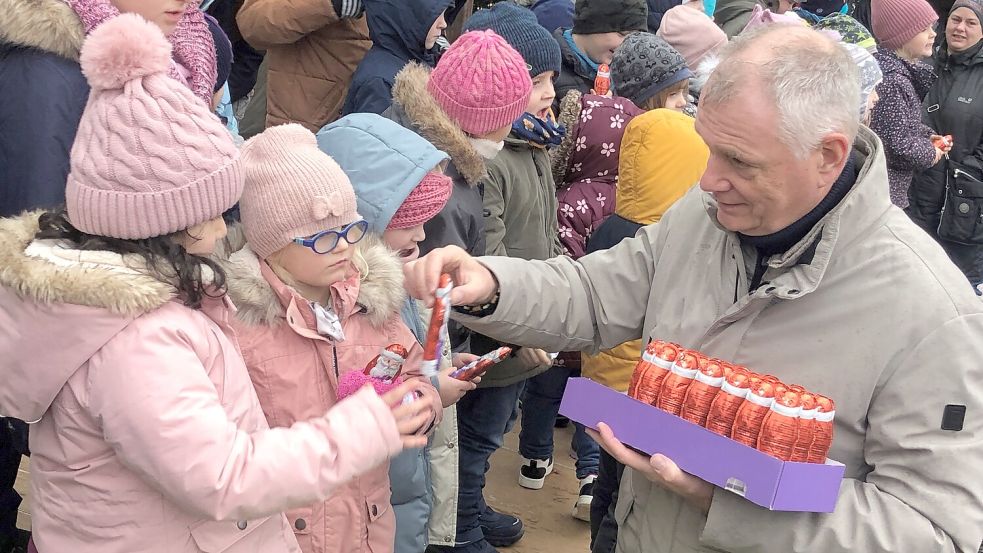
(122, 292)
(49, 25)
(380, 292)
(560, 156)
(432, 123)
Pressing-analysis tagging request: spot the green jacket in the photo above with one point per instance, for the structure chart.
(876, 318)
(520, 221)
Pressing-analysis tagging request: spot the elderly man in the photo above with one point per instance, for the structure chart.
(789, 258)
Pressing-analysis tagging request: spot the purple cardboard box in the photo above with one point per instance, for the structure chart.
(759, 478)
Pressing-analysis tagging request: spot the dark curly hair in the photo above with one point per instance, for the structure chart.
(166, 259)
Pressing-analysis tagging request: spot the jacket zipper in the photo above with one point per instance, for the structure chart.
(334, 354)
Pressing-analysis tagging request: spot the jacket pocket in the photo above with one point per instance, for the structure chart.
(301, 521)
(215, 537)
(962, 213)
(381, 521)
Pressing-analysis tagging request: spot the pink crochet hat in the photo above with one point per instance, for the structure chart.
(481, 82)
(692, 34)
(293, 189)
(149, 158)
(424, 202)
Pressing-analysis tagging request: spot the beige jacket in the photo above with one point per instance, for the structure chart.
(879, 319)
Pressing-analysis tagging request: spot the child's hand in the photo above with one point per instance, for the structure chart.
(452, 389)
(412, 416)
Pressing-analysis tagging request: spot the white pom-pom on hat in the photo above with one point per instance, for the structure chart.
(124, 48)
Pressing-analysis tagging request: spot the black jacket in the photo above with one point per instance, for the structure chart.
(42, 95)
(954, 105)
(575, 74)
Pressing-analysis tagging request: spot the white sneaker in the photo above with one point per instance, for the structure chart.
(581, 511)
(533, 472)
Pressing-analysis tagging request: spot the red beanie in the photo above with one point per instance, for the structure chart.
(424, 202)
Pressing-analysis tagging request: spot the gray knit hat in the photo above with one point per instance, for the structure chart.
(591, 17)
(644, 65)
(520, 28)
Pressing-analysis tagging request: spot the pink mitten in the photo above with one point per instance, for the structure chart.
(353, 381)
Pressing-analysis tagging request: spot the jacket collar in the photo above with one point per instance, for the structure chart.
(862, 207)
(571, 59)
(263, 299)
(432, 122)
(47, 273)
(48, 25)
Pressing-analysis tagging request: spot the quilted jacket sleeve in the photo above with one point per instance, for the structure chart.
(906, 139)
(266, 23)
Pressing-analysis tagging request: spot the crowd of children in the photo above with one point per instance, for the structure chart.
(231, 295)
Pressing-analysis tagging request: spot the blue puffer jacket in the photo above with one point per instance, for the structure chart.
(385, 162)
(398, 29)
(42, 95)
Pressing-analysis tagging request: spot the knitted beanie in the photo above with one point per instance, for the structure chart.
(692, 34)
(973, 5)
(895, 22)
(644, 65)
(424, 202)
(481, 82)
(850, 30)
(293, 189)
(591, 17)
(223, 52)
(518, 26)
(149, 158)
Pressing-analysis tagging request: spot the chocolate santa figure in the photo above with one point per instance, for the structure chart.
(388, 364)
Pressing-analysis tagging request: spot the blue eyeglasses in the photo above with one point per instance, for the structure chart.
(326, 241)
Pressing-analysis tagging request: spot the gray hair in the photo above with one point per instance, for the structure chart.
(812, 81)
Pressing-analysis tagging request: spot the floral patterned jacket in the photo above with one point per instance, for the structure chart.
(585, 166)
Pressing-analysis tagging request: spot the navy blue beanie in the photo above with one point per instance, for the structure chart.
(223, 52)
(519, 27)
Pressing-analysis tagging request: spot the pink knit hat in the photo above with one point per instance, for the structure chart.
(481, 82)
(149, 158)
(293, 189)
(692, 34)
(424, 202)
(895, 22)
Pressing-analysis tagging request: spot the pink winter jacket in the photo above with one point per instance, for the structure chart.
(295, 371)
(147, 435)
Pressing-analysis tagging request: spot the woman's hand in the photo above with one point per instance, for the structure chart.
(412, 416)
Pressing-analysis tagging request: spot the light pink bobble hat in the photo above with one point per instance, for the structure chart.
(149, 158)
(293, 189)
(481, 82)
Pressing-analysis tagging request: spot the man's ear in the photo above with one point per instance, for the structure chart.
(833, 154)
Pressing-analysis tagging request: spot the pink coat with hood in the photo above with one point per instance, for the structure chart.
(295, 371)
(147, 434)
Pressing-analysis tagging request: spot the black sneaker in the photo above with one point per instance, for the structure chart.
(581, 511)
(561, 422)
(480, 546)
(500, 530)
(533, 472)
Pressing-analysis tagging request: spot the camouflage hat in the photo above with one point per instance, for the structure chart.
(850, 30)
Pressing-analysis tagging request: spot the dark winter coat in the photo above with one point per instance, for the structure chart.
(954, 106)
(461, 222)
(897, 120)
(575, 74)
(42, 95)
(398, 29)
(586, 165)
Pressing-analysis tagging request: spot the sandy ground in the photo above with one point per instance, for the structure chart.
(546, 513)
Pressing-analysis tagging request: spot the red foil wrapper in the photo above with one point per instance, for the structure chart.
(780, 428)
(437, 331)
(823, 437)
(723, 410)
(807, 427)
(702, 391)
(602, 82)
(651, 370)
(677, 382)
(751, 415)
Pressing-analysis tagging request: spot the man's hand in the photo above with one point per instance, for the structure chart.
(474, 284)
(659, 469)
(532, 358)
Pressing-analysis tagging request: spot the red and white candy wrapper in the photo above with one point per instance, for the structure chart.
(481, 365)
(437, 332)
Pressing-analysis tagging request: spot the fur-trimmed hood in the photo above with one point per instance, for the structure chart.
(412, 102)
(49, 25)
(379, 293)
(58, 307)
